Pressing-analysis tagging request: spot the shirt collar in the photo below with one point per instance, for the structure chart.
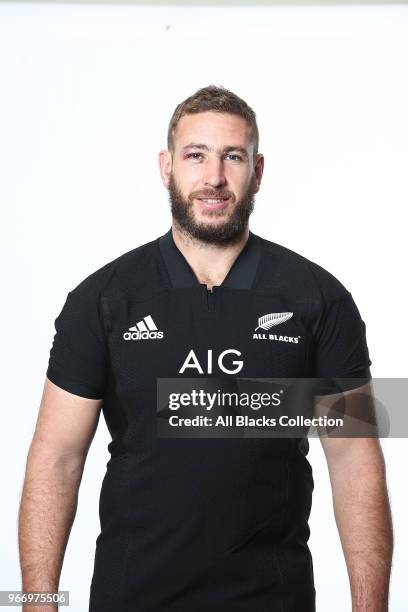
(241, 275)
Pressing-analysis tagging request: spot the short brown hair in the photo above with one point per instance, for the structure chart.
(218, 99)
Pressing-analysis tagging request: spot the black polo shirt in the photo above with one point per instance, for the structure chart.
(199, 523)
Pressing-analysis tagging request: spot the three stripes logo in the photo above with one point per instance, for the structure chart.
(145, 329)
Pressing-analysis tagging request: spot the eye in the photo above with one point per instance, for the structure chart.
(195, 155)
(235, 156)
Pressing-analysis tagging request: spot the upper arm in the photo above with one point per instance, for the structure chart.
(76, 376)
(66, 422)
(356, 442)
(341, 367)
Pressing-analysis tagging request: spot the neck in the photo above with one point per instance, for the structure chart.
(209, 262)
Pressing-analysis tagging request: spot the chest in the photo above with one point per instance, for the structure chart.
(194, 332)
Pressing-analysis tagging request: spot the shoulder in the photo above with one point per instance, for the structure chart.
(299, 275)
(132, 269)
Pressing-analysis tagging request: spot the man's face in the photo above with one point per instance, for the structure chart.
(213, 178)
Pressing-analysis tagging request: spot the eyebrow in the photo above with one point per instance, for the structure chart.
(203, 147)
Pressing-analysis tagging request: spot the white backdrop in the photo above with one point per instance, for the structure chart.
(86, 96)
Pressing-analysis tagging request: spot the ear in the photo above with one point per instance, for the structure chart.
(165, 165)
(259, 166)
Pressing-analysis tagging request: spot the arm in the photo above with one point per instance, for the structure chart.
(65, 427)
(362, 512)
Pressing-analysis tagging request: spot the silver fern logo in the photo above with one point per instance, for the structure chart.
(272, 319)
(268, 321)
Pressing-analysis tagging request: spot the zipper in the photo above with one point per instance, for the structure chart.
(210, 297)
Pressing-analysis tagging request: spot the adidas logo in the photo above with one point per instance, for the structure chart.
(146, 329)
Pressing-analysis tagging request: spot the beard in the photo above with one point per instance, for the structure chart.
(228, 232)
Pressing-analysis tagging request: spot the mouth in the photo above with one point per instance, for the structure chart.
(213, 203)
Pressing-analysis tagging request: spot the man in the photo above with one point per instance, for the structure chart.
(200, 524)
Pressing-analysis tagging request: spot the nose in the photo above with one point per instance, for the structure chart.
(214, 173)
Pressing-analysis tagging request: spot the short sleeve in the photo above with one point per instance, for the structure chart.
(340, 345)
(78, 356)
